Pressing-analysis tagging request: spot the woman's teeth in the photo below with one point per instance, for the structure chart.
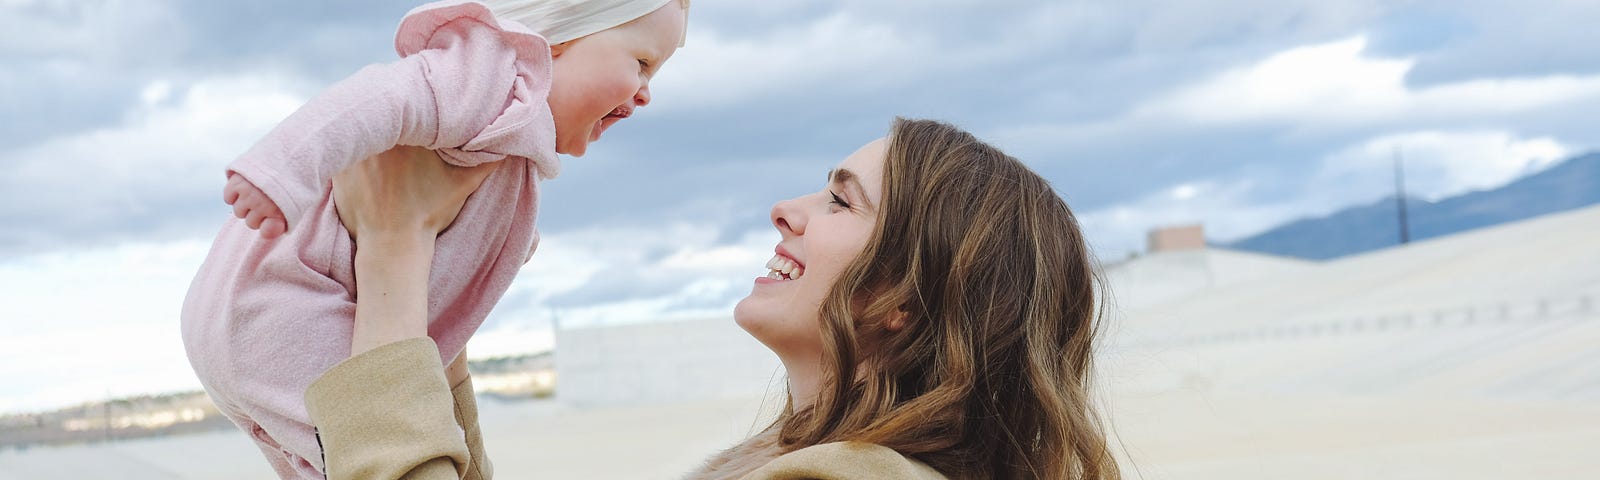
(781, 268)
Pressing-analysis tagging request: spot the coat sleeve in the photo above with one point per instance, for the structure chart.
(465, 85)
(844, 461)
(389, 414)
(467, 418)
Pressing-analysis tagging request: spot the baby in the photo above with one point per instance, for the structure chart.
(511, 81)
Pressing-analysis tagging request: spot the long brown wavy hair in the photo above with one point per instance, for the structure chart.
(983, 268)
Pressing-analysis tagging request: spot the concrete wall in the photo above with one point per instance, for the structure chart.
(1161, 277)
(662, 362)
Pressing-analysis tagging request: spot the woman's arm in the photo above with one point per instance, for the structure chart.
(392, 289)
(390, 411)
(395, 208)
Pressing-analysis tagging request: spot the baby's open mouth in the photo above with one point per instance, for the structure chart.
(616, 115)
(782, 268)
(620, 112)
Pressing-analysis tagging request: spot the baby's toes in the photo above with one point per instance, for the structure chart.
(272, 227)
(253, 220)
(231, 191)
(268, 207)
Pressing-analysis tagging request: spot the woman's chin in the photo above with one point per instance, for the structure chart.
(741, 315)
(748, 316)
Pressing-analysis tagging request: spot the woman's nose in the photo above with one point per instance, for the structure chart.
(642, 97)
(788, 218)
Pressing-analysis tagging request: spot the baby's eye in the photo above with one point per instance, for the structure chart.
(644, 64)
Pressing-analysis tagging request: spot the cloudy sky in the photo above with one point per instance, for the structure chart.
(119, 116)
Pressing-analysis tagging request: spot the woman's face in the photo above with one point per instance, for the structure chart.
(822, 233)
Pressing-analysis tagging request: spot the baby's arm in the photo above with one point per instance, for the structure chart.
(466, 86)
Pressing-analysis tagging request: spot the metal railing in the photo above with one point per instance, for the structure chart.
(1582, 307)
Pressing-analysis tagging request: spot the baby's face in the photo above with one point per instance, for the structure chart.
(601, 78)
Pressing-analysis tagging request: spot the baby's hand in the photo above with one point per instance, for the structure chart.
(251, 204)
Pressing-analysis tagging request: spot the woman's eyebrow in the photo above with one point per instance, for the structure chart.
(847, 178)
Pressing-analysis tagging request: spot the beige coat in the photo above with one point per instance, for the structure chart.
(387, 414)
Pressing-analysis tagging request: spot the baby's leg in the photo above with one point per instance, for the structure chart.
(251, 204)
(286, 464)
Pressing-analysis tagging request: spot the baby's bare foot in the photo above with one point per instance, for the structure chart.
(251, 204)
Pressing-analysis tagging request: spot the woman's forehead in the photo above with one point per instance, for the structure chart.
(868, 159)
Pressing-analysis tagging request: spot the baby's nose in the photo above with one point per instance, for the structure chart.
(642, 97)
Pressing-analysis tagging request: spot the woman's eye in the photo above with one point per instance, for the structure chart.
(838, 201)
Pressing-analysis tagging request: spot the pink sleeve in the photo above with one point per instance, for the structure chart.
(466, 86)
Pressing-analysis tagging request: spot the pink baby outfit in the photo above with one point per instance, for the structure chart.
(264, 318)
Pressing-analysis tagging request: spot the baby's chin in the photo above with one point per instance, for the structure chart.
(571, 150)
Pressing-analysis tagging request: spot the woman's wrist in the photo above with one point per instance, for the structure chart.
(391, 287)
(399, 244)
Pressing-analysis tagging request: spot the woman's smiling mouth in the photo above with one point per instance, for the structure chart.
(782, 267)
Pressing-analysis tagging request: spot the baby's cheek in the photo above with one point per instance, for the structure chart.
(609, 95)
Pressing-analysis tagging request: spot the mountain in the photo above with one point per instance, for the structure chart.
(1571, 184)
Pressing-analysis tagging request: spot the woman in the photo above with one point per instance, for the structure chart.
(933, 307)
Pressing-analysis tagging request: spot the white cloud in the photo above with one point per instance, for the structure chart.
(86, 324)
(1224, 207)
(1053, 62)
(1338, 84)
(626, 275)
(1439, 164)
(167, 154)
(1190, 25)
(511, 340)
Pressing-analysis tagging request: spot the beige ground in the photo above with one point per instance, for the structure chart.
(1188, 434)
(1200, 435)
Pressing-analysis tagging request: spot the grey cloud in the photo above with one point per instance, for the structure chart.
(94, 212)
(516, 306)
(616, 284)
(38, 108)
(323, 40)
(720, 299)
(1494, 39)
(992, 67)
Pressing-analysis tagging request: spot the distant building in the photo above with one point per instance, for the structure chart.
(1170, 239)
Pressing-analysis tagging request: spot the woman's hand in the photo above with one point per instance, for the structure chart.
(404, 191)
(395, 205)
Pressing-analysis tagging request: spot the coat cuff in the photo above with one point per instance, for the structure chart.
(388, 413)
(467, 418)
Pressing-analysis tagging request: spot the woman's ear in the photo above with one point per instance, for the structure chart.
(557, 49)
(897, 319)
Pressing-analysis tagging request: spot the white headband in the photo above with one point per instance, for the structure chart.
(560, 21)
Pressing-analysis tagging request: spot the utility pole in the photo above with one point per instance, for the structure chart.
(1400, 195)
